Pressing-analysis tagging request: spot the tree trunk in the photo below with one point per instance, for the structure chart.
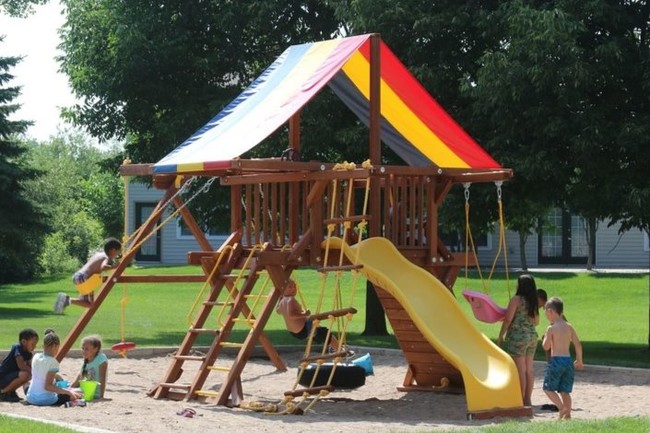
(523, 237)
(375, 316)
(591, 228)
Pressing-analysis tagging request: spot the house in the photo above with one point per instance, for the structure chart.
(562, 242)
(173, 241)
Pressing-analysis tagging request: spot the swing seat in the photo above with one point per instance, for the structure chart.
(123, 347)
(90, 284)
(346, 375)
(483, 307)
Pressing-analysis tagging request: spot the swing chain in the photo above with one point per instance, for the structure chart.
(498, 184)
(207, 185)
(466, 185)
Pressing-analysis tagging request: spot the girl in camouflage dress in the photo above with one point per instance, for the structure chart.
(522, 316)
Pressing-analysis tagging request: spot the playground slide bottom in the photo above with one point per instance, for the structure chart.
(489, 374)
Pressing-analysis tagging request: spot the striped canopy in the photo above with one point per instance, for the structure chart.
(413, 124)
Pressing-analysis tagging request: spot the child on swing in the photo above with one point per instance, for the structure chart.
(298, 321)
(99, 262)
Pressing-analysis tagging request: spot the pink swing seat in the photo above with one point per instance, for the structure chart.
(484, 308)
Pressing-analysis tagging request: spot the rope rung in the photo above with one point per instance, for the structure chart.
(352, 218)
(310, 391)
(325, 357)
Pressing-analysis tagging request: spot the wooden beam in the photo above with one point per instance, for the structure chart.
(375, 131)
(136, 170)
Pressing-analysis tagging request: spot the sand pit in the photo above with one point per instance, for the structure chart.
(599, 393)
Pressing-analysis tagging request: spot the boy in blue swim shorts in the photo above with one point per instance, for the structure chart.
(559, 374)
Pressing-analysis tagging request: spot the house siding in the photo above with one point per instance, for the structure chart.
(173, 247)
(628, 250)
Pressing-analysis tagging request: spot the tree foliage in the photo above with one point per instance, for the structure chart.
(22, 222)
(156, 72)
(19, 8)
(85, 201)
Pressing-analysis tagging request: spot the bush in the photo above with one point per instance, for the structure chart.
(55, 259)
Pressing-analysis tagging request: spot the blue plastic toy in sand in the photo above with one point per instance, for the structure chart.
(366, 362)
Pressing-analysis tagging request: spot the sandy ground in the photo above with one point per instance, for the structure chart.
(598, 393)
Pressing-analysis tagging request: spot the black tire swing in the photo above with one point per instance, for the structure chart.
(346, 375)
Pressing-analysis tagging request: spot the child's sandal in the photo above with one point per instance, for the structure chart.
(187, 412)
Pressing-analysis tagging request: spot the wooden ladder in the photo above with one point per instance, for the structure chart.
(230, 391)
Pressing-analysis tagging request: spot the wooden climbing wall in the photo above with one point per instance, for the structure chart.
(426, 367)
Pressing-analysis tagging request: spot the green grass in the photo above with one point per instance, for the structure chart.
(10, 425)
(610, 312)
(618, 425)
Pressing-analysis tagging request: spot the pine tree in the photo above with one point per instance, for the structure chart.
(22, 224)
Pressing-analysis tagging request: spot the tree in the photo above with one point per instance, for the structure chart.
(440, 42)
(22, 222)
(19, 8)
(85, 201)
(155, 74)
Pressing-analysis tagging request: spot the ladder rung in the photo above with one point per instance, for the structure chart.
(242, 319)
(207, 393)
(334, 313)
(174, 386)
(325, 357)
(229, 344)
(310, 391)
(219, 303)
(256, 296)
(190, 357)
(339, 268)
(218, 368)
(351, 218)
(204, 331)
(234, 276)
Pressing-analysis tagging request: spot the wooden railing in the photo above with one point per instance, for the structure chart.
(281, 212)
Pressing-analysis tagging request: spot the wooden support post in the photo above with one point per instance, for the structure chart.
(192, 225)
(375, 131)
(85, 317)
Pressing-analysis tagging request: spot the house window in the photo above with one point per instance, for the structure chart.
(182, 232)
(456, 241)
(563, 238)
(150, 249)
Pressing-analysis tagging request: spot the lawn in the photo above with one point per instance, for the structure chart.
(618, 425)
(609, 311)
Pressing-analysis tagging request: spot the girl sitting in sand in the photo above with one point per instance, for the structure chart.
(95, 366)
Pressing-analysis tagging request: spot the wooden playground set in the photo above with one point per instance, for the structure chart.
(287, 214)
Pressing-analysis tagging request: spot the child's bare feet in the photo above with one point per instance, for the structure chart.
(565, 414)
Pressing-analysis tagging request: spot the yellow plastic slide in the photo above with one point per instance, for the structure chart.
(490, 375)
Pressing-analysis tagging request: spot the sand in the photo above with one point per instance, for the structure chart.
(599, 392)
